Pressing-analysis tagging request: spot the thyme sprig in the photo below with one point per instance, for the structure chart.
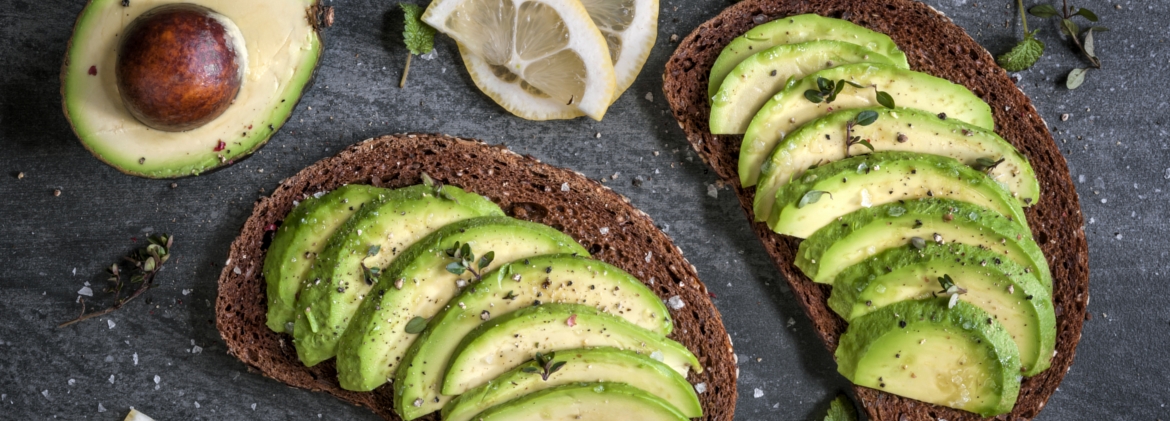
(949, 288)
(863, 118)
(827, 91)
(544, 365)
(1029, 50)
(141, 265)
(465, 260)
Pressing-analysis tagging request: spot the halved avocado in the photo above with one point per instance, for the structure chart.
(369, 242)
(557, 278)
(300, 239)
(797, 29)
(869, 231)
(418, 285)
(595, 401)
(283, 46)
(832, 191)
(823, 140)
(1002, 288)
(581, 365)
(754, 80)
(510, 340)
(956, 357)
(790, 109)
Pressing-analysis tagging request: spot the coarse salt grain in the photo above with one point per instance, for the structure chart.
(110, 322)
(564, 186)
(649, 254)
(701, 388)
(865, 199)
(46, 393)
(86, 291)
(757, 393)
(136, 359)
(675, 302)
(712, 191)
(604, 230)
(111, 379)
(101, 408)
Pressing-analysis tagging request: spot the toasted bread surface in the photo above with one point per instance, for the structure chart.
(935, 45)
(600, 219)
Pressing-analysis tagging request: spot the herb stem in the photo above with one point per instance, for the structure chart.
(1024, 18)
(147, 282)
(406, 71)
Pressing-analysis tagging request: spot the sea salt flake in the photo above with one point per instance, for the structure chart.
(186, 292)
(712, 191)
(157, 379)
(253, 407)
(649, 254)
(136, 361)
(101, 408)
(72, 382)
(196, 404)
(657, 356)
(110, 322)
(564, 186)
(196, 349)
(675, 302)
(791, 322)
(757, 393)
(866, 201)
(111, 379)
(86, 291)
(46, 393)
(650, 96)
(604, 230)
(701, 388)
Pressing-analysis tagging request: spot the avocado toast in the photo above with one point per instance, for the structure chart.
(935, 46)
(604, 225)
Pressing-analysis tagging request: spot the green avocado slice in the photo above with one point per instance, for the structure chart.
(1002, 288)
(790, 109)
(594, 401)
(823, 140)
(797, 29)
(556, 278)
(754, 80)
(507, 341)
(283, 47)
(869, 231)
(371, 239)
(418, 284)
(926, 351)
(869, 180)
(298, 242)
(581, 365)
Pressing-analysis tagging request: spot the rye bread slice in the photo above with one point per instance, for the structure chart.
(600, 219)
(937, 46)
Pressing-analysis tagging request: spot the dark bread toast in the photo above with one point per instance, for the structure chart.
(937, 46)
(524, 188)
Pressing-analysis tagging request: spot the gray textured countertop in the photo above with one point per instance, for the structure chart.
(164, 356)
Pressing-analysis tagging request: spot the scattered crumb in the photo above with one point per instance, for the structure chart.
(20, 176)
(791, 322)
(650, 96)
(1064, 117)
(56, 192)
(615, 176)
(673, 37)
(174, 185)
(598, 135)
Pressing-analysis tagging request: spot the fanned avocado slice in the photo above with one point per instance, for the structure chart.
(754, 80)
(283, 46)
(581, 365)
(354, 256)
(594, 401)
(510, 340)
(956, 357)
(797, 29)
(418, 284)
(1002, 288)
(832, 191)
(298, 242)
(823, 140)
(558, 278)
(790, 109)
(869, 231)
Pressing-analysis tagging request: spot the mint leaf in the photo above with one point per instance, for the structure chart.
(1075, 78)
(1043, 11)
(419, 37)
(813, 196)
(1087, 14)
(841, 409)
(1023, 55)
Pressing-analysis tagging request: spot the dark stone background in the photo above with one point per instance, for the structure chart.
(1115, 140)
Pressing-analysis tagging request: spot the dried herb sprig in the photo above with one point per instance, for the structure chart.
(949, 288)
(827, 91)
(986, 165)
(465, 260)
(142, 264)
(544, 365)
(1029, 50)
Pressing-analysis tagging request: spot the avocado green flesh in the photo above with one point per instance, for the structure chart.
(946, 356)
(510, 340)
(879, 178)
(790, 109)
(595, 401)
(798, 29)
(371, 347)
(298, 242)
(283, 49)
(754, 80)
(582, 365)
(823, 140)
(336, 286)
(1002, 288)
(556, 278)
(869, 231)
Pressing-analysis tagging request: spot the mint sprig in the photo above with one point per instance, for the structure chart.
(419, 37)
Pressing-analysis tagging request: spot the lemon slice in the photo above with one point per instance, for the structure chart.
(549, 48)
(630, 28)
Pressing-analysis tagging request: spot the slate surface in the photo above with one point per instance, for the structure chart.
(1115, 138)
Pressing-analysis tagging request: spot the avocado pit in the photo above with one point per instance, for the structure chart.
(179, 66)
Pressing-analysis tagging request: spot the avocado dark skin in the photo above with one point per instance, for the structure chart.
(177, 68)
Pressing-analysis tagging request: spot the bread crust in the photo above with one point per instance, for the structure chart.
(600, 219)
(935, 45)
